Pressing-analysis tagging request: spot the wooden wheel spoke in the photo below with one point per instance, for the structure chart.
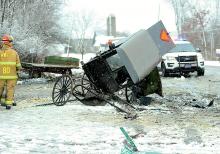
(62, 90)
(57, 94)
(59, 84)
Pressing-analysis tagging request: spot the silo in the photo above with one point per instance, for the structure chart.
(111, 25)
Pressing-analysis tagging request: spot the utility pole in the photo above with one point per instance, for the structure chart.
(212, 45)
(158, 17)
(204, 43)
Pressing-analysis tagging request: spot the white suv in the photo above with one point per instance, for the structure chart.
(183, 59)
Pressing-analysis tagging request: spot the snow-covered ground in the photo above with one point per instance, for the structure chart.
(212, 63)
(173, 124)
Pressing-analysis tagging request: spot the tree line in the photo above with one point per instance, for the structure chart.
(198, 21)
(32, 23)
(35, 25)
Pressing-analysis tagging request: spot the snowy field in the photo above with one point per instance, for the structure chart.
(212, 63)
(181, 122)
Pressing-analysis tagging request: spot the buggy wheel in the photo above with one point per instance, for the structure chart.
(80, 91)
(130, 96)
(62, 90)
(87, 96)
(87, 93)
(85, 83)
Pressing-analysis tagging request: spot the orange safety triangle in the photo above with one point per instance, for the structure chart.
(164, 36)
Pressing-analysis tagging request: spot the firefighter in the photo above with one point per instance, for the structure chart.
(111, 44)
(9, 66)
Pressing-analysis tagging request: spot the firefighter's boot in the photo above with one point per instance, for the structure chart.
(8, 107)
(14, 104)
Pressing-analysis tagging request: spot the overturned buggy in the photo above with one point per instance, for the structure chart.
(129, 66)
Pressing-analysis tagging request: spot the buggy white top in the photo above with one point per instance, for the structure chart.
(144, 50)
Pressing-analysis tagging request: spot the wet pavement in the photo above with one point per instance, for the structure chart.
(173, 124)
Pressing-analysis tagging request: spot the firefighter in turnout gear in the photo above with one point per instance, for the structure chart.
(9, 66)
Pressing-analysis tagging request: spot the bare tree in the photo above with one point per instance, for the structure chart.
(197, 19)
(180, 8)
(215, 26)
(83, 26)
(33, 23)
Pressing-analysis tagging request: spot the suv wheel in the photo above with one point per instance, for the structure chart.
(164, 70)
(200, 72)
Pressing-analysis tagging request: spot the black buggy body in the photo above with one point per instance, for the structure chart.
(130, 65)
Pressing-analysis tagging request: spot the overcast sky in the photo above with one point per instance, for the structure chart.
(131, 15)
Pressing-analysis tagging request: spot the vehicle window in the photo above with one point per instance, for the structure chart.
(183, 48)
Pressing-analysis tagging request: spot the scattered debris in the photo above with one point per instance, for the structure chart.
(202, 104)
(131, 116)
(45, 104)
(211, 103)
(129, 145)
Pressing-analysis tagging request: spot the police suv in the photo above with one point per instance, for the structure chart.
(183, 59)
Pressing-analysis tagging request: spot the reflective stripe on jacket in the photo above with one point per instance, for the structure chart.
(9, 63)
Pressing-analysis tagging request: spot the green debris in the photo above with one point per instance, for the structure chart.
(130, 147)
(152, 83)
